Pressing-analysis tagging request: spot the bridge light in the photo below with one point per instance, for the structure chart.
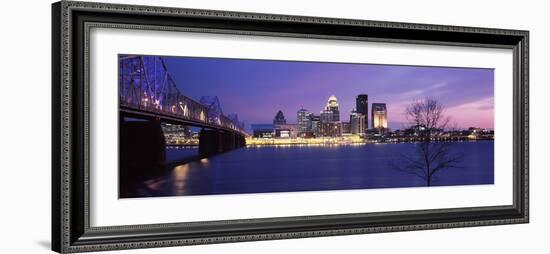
(144, 102)
(185, 110)
(202, 117)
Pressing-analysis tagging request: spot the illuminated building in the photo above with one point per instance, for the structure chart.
(175, 134)
(357, 122)
(175, 129)
(330, 129)
(362, 106)
(330, 125)
(326, 116)
(332, 105)
(346, 127)
(315, 125)
(304, 123)
(286, 130)
(263, 130)
(279, 118)
(379, 116)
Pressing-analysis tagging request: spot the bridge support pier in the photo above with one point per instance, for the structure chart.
(240, 141)
(142, 150)
(228, 141)
(210, 142)
(213, 142)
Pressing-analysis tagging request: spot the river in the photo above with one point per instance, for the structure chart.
(305, 168)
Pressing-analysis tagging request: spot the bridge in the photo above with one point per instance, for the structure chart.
(148, 95)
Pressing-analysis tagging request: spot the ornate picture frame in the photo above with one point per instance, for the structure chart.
(71, 197)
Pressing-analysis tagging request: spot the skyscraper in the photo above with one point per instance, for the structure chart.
(279, 118)
(357, 122)
(304, 122)
(330, 129)
(362, 106)
(315, 125)
(332, 105)
(346, 127)
(326, 116)
(379, 116)
(330, 125)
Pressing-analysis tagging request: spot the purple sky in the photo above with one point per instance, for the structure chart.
(257, 89)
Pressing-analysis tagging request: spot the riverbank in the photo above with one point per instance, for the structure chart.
(336, 141)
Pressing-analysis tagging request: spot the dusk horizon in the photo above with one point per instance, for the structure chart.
(257, 89)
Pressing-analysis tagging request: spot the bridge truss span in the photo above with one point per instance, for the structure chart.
(146, 88)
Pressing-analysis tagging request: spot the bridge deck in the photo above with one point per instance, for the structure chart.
(176, 119)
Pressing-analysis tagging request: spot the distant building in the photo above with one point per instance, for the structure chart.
(346, 127)
(332, 105)
(304, 123)
(362, 106)
(279, 118)
(379, 116)
(329, 119)
(175, 134)
(315, 125)
(263, 130)
(286, 130)
(357, 123)
(330, 129)
(176, 129)
(326, 116)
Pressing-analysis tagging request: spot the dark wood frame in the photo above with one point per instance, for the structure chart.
(71, 22)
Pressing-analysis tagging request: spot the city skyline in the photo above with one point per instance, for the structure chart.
(260, 88)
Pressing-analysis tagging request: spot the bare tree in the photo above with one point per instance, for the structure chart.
(426, 117)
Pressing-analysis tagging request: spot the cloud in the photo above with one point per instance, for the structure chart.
(412, 93)
(478, 113)
(482, 104)
(438, 85)
(429, 91)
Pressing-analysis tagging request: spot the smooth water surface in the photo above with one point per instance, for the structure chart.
(305, 168)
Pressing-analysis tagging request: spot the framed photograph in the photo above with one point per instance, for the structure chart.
(181, 126)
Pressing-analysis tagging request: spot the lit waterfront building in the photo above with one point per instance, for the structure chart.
(286, 131)
(279, 118)
(175, 134)
(168, 128)
(362, 107)
(332, 105)
(357, 123)
(330, 125)
(330, 129)
(379, 116)
(304, 122)
(263, 130)
(346, 127)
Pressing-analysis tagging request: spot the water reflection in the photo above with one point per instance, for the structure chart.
(180, 175)
(284, 169)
